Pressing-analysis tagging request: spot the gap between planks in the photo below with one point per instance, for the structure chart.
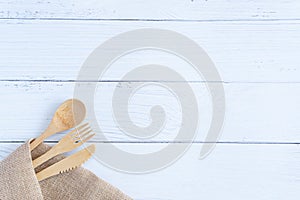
(151, 20)
(146, 81)
(165, 142)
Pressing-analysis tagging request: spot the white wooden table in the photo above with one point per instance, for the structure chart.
(254, 44)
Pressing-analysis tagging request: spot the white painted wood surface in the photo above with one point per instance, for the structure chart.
(254, 44)
(242, 51)
(261, 112)
(247, 171)
(154, 10)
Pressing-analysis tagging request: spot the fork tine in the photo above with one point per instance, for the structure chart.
(80, 137)
(88, 138)
(83, 134)
(83, 131)
(80, 142)
(78, 129)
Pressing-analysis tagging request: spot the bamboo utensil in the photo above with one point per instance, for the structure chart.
(67, 116)
(67, 164)
(69, 142)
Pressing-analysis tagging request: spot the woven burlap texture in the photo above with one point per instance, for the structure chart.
(18, 180)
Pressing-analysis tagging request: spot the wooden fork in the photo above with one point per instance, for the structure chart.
(72, 140)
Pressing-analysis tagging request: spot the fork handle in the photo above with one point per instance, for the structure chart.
(46, 156)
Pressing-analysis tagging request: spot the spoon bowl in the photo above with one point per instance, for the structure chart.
(68, 115)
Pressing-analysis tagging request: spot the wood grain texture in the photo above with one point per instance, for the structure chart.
(154, 10)
(230, 172)
(262, 112)
(254, 45)
(241, 51)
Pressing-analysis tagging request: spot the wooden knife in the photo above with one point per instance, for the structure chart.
(67, 164)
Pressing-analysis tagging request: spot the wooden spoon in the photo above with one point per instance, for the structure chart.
(68, 115)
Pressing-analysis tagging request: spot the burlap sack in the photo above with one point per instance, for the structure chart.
(18, 180)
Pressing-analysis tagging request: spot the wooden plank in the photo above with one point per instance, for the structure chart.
(261, 112)
(154, 10)
(241, 51)
(230, 172)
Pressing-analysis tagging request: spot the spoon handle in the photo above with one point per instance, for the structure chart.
(48, 132)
